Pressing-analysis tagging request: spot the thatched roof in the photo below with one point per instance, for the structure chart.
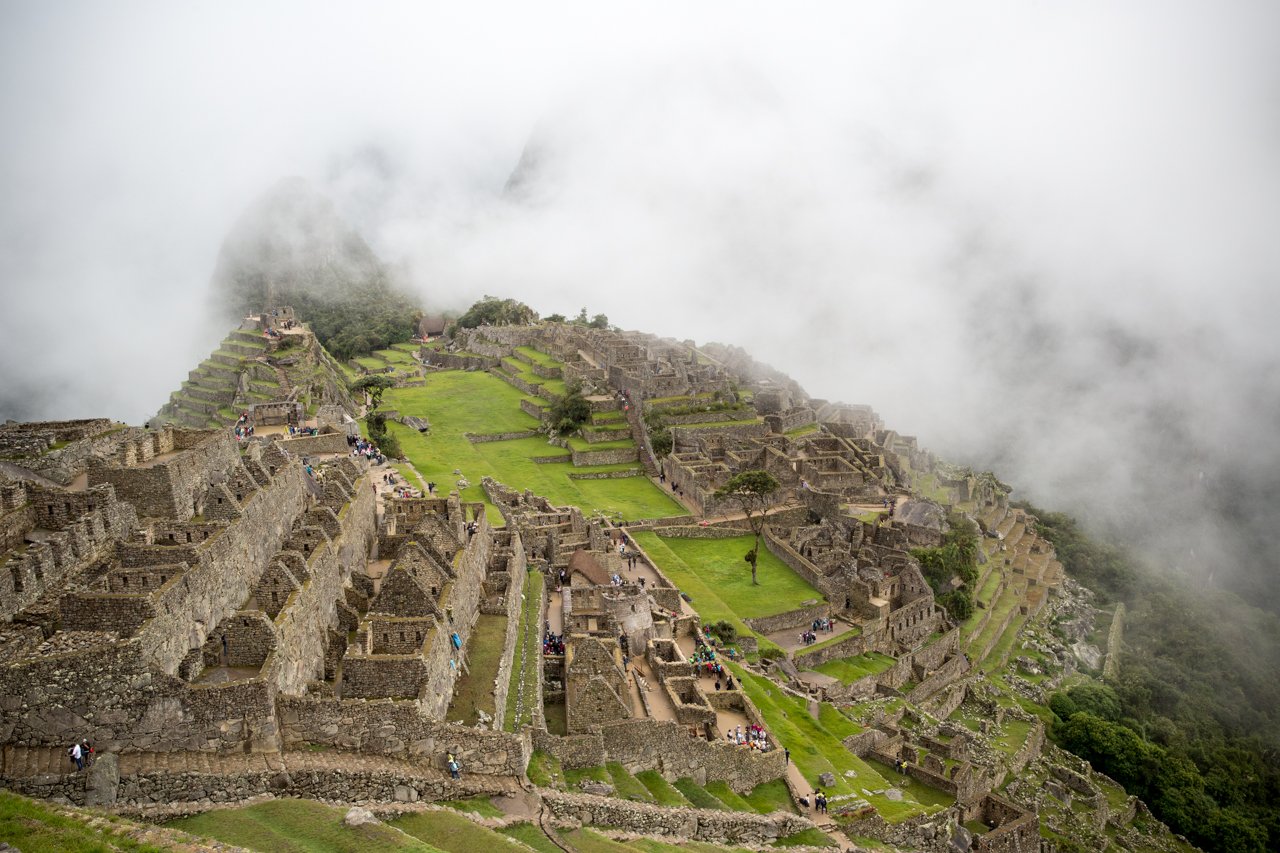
(584, 564)
(431, 326)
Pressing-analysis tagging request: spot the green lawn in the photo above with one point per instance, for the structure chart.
(718, 580)
(454, 833)
(532, 835)
(524, 666)
(625, 785)
(30, 826)
(661, 790)
(580, 444)
(475, 686)
(296, 826)
(734, 801)
(697, 795)
(539, 357)
(543, 767)
(456, 402)
(849, 670)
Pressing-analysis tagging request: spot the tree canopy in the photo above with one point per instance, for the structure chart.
(374, 385)
(493, 311)
(751, 491)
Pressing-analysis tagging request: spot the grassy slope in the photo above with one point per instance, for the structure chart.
(29, 826)
(456, 402)
(475, 687)
(849, 670)
(454, 833)
(816, 748)
(528, 647)
(297, 826)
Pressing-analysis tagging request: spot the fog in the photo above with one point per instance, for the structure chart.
(1039, 237)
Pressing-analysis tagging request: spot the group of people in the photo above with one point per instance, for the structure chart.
(552, 643)
(293, 430)
(81, 753)
(363, 447)
(271, 333)
(754, 736)
(819, 802)
(826, 626)
(243, 432)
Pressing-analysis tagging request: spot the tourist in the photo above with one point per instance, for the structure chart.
(786, 752)
(76, 755)
(86, 752)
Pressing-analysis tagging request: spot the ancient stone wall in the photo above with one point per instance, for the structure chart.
(316, 445)
(480, 438)
(800, 617)
(720, 827)
(303, 622)
(225, 573)
(173, 488)
(605, 457)
(399, 730)
(781, 549)
(666, 746)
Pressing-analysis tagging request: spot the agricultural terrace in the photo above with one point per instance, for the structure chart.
(457, 402)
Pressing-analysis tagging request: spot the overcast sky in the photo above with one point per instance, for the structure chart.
(1036, 235)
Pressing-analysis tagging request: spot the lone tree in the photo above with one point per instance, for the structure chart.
(751, 490)
(374, 386)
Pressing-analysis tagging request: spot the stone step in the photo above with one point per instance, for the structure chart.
(228, 359)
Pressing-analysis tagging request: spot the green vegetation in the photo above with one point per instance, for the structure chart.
(572, 410)
(956, 557)
(532, 835)
(480, 805)
(733, 801)
(711, 571)
(456, 402)
(375, 386)
(849, 670)
(816, 748)
(542, 768)
(809, 837)
(698, 797)
(751, 491)
(474, 690)
(29, 825)
(296, 826)
(1192, 723)
(454, 833)
(574, 778)
(522, 691)
(376, 429)
(661, 790)
(625, 785)
(770, 797)
(492, 311)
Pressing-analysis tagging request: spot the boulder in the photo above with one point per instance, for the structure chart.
(359, 817)
(827, 780)
(102, 781)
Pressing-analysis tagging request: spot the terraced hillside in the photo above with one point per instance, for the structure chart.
(248, 368)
